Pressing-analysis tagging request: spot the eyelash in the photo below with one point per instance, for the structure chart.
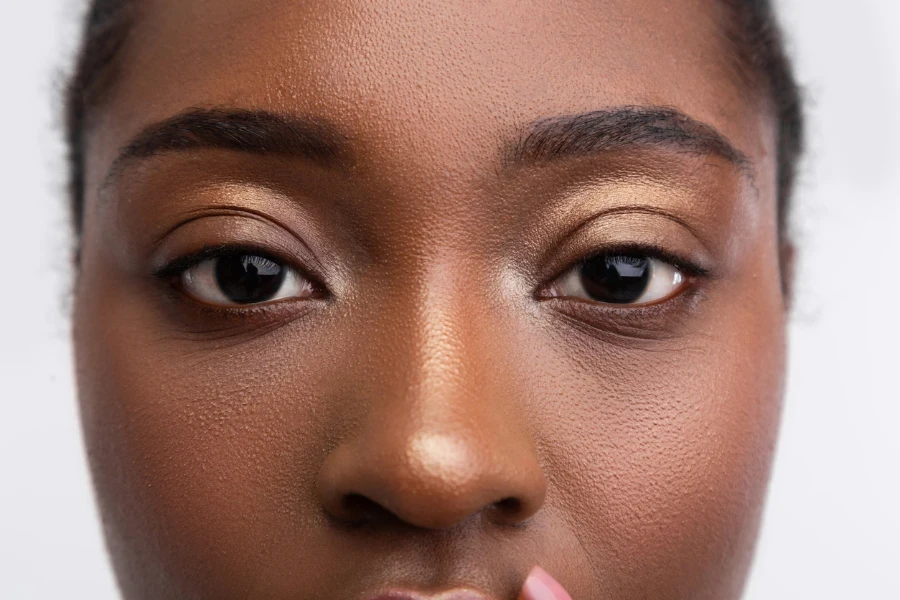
(179, 265)
(687, 267)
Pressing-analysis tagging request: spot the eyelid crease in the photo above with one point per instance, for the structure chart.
(650, 249)
(638, 209)
(308, 265)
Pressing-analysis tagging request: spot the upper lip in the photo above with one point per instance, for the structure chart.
(453, 594)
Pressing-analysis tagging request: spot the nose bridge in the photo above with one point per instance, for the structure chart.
(449, 345)
(438, 359)
(442, 438)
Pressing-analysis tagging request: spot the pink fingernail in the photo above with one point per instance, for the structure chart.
(541, 586)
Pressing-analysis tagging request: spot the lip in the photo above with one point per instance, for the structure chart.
(454, 594)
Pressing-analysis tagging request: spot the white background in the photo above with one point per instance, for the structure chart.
(832, 527)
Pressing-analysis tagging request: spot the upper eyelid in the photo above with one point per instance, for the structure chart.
(581, 241)
(688, 268)
(184, 262)
(181, 264)
(632, 209)
(303, 258)
(651, 251)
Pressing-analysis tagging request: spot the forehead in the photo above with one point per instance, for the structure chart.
(437, 78)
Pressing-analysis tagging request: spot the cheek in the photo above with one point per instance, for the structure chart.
(662, 455)
(205, 453)
(201, 466)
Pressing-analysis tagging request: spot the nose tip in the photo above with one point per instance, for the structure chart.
(431, 481)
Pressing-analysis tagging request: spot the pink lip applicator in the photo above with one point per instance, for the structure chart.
(541, 586)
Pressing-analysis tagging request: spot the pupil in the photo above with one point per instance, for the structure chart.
(245, 278)
(615, 279)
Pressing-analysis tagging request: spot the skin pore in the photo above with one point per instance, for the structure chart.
(434, 403)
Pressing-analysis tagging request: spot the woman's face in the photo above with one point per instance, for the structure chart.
(418, 295)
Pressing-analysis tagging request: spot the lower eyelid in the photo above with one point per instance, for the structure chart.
(668, 319)
(206, 322)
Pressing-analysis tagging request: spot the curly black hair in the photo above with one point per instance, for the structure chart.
(753, 30)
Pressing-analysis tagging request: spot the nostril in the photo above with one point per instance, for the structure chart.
(509, 505)
(508, 511)
(357, 509)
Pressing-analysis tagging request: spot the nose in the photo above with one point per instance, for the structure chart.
(441, 438)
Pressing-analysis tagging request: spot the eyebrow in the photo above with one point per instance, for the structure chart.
(244, 130)
(600, 131)
(545, 140)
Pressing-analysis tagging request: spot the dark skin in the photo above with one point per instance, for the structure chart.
(433, 406)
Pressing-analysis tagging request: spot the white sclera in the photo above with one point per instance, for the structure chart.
(665, 280)
(200, 282)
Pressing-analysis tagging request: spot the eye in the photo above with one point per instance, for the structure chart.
(243, 278)
(620, 278)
